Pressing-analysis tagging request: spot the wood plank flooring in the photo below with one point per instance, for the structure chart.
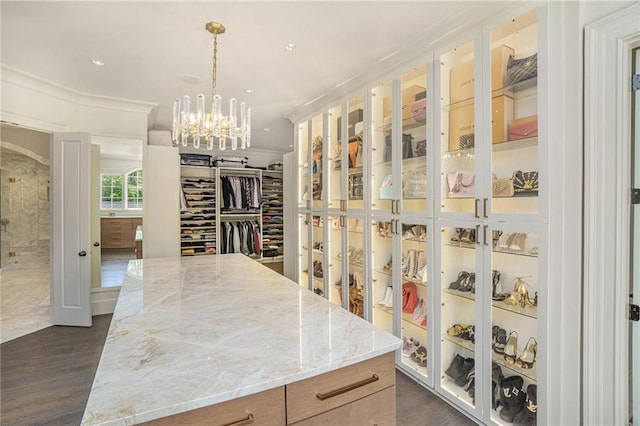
(47, 376)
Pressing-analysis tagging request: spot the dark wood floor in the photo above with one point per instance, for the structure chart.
(46, 377)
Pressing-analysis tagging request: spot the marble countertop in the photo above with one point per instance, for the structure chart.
(194, 331)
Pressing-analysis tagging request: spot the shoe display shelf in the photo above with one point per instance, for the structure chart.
(198, 215)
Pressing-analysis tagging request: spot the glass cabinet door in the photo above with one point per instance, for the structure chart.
(514, 310)
(459, 263)
(335, 259)
(304, 258)
(335, 156)
(457, 129)
(414, 141)
(382, 272)
(355, 153)
(317, 163)
(414, 296)
(355, 266)
(318, 264)
(382, 194)
(514, 116)
(304, 179)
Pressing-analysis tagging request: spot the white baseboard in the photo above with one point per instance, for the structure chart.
(103, 300)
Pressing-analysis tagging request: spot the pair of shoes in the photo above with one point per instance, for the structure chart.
(459, 369)
(514, 241)
(527, 357)
(419, 231)
(317, 269)
(520, 295)
(528, 415)
(512, 397)
(499, 339)
(464, 235)
(495, 295)
(388, 298)
(462, 277)
(469, 284)
(419, 356)
(409, 346)
(420, 310)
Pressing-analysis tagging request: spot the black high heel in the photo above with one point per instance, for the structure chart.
(462, 277)
(495, 281)
(469, 284)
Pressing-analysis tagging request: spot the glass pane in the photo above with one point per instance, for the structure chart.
(414, 140)
(355, 266)
(414, 297)
(317, 160)
(303, 164)
(355, 154)
(335, 260)
(382, 268)
(458, 311)
(303, 250)
(458, 130)
(514, 338)
(334, 163)
(514, 116)
(317, 235)
(381, 110)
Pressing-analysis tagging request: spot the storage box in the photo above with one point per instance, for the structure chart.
(355, 116)
(462, 78)
(409, 96)
(461, 119)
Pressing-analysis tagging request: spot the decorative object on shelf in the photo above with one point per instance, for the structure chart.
(502, 187)
(522, 128)
(461, 184)
(525, 181)
(200, 126)
(522, 69)
(416, 183)
(512, 397)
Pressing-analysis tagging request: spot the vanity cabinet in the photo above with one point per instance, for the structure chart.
(119, 232)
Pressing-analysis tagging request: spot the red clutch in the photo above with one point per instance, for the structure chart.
(523, 128)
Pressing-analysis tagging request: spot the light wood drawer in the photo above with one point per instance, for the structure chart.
(264, 408)
(377, 409)
(315, 395)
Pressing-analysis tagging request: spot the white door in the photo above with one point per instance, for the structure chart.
(634, 356)
(96, 250)
(70, 229)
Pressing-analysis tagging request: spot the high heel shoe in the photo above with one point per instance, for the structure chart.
(462, 277)
(495, 279)
(511, 348)
(469, 284)
(528, 356)
(520, 295)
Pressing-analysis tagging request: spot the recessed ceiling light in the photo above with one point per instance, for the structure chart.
(290, 47)
(266, 129)
(97, 62)
(249, 91)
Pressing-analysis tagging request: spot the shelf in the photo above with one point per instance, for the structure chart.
(530, 311)
(514, 144)
(408, 318)
(529, 373)
(467, 344)
(408, 362)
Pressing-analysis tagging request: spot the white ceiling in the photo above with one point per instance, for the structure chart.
(149, 45)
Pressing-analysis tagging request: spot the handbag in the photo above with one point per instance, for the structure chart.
(416, 184)
(386, 188)
(525, 181)
(467, 141)
(522, 69)
(407, 149)
(387, 155)
(355, 151)
(461, 184)
(526, 127)
(502, 187)
(420, 149)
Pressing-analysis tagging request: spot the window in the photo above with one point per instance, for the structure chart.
(114, 187)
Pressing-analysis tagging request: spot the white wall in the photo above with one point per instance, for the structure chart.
(118, 167)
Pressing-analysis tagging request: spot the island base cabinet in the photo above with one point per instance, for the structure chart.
(342, 388)
(264, 408)
(377, 409)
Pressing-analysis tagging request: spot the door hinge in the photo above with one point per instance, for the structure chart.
(635, 82)
(634, 312)
(635, 196)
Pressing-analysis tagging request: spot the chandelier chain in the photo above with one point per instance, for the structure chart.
(215, 65)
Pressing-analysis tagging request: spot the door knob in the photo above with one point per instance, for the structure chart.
(96, 244)
(82, 253)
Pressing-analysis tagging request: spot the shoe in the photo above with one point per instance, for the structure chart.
(462, 276)
(495, 238)
(318, 291)
(467, 366)
(499, 340)
(417, 312)
(495, 281)
(528, 415)
(512, 397)
(456, 237)
(469, 284)
(496, 379)
(507, 242)
(420, 356)
(528, 356)
(388, 295)
(409, 346)
(457, 330)
(454, 369)
(421, 265)
(511, 348)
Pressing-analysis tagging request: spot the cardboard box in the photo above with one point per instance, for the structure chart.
(461, 78)
(461, 120)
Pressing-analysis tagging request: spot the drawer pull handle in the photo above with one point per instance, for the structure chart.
(345, 389)
(247, 421)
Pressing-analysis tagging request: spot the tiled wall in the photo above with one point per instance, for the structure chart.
(25, 204)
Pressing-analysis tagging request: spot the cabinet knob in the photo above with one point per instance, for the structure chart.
(96, 244)
(82, 253)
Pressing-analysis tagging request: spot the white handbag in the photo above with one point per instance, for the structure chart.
(461, 184)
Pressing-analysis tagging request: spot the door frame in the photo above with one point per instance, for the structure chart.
(607, 184)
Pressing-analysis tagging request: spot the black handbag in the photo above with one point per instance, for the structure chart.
(467, 141)
(525, 181)
(522, 69)
(387, 155)
(407, 148)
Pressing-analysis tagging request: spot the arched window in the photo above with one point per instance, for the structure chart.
(121, 192)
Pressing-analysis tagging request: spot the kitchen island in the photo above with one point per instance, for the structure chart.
(224, 340)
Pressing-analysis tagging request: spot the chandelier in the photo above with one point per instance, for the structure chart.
(200, 126)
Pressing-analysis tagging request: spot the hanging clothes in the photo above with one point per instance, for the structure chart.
(240, 192)
(241, 237)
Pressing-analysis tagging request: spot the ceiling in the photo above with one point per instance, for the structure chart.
(150, 47)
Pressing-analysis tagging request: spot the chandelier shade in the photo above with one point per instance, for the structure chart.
(196, 126)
